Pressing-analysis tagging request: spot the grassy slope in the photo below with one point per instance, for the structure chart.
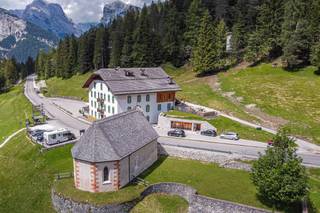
(128, 193)
(224, 124)
(26, 177)
(208, 179)
(14, 108)
(291, 95)
(197, 90)
(160, 203)
(68, 87)
(314, 183)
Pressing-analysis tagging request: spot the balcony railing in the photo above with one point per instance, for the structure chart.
(101, 100)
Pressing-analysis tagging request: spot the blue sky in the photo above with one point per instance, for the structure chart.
(77, 10)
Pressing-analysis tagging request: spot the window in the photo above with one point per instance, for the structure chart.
(113, 99)
(169, 106)
(148, 98)
(139, 98)
(94, 94)
(94, 85)
(108, 109)
(91, 94)
(148, 108)
(92, 112)
(105, 174)
(104, 96)
(91, 103)
(129, 99)
(159, 107)
(148, 118)
(129, 108)
(95, 104)
(95, 114)
(98, 95)
(112, 110)
(101, 86)
(108, 98)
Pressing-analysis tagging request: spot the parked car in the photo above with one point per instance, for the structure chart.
(230, 136)
(177, 133)
(36, 132)
(209, 132)
(270, 143)
(58, 136)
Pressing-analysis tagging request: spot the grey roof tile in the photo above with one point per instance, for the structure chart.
(153, 80)
(114, 137)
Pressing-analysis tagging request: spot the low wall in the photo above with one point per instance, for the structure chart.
(196, 202)
(67, 205)
(196, 154)
(208, 205)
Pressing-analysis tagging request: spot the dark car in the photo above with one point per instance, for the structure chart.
(209, 132)
(177, 133)
(37, 132)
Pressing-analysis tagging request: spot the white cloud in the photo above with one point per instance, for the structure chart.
(77, 10)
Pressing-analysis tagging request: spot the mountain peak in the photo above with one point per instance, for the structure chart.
(114, 9)
(49, 16)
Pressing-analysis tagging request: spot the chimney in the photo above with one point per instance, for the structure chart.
(170, 80)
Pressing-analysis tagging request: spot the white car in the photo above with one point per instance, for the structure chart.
(230, 136)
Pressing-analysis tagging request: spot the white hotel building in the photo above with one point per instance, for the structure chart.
(113, 91)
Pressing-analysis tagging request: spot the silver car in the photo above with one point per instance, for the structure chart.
(230, 136)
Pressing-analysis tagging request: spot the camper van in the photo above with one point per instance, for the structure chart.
(58, 136)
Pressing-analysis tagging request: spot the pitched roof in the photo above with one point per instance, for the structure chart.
(139, 80)
(114, 137)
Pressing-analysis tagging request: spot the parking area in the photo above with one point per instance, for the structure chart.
(52, 134)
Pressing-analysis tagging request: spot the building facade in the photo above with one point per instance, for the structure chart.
(113, 151)
(113, 91)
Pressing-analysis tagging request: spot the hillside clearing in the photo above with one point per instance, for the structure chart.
(292, 96)
(71, 87)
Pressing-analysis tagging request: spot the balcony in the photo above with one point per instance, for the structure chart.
(100, 100)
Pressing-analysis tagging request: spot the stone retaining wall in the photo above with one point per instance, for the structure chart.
(197, 203)
(208, 205)
(195, 154)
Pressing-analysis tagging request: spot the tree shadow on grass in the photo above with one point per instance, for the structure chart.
(292, 208)
(153, 167)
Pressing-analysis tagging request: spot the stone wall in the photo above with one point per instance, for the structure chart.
(197, 203)
(197, 154)
(208, 205)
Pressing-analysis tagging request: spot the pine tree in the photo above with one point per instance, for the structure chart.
(72, 56)
(10, 72)
(315, 56)
(193, 19)
(296, 33)
(171, 40)
(265, 41)
(129, 24)
(220, 43)
(142, 53)
(100, 58)
(116, 36)
(204, 52)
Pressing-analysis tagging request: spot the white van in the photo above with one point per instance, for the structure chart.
(57, 136)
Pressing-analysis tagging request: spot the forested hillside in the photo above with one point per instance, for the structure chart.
(181, 31)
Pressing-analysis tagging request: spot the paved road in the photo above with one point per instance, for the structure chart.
(67, 120)
(249, 151)
(52, 111)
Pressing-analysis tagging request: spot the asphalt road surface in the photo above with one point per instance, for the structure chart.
(52, 111)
